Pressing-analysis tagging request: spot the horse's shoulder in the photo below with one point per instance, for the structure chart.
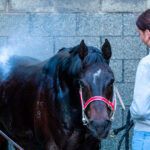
(25, 69)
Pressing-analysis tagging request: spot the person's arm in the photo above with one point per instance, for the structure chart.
(140, 107)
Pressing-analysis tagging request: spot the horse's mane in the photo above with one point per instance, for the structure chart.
(67, 59)
(66, 65)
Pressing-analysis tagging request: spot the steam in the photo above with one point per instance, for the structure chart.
(20, 46)
(5, 54)
(40, 48)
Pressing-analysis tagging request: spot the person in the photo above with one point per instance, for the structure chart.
(140, 107)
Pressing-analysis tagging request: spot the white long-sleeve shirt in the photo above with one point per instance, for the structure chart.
(140, 107)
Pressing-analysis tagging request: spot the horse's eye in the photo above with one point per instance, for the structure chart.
(111, 82)
(82, 85)
(111, 85)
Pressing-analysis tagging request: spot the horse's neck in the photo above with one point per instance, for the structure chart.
(69, 104)
(65, 96)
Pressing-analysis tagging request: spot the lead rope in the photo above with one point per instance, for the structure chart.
(129, 124)
(119, 98)
(114, 97)
(117, 95)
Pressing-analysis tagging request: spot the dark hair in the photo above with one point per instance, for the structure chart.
(143, 21)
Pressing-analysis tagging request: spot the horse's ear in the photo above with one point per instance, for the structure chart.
(83, 50)
(106, 51)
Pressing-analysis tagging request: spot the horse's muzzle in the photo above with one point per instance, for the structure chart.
(99, 129)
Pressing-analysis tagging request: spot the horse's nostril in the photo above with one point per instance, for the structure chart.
(96, 124)
(100, 124)
(92, 122)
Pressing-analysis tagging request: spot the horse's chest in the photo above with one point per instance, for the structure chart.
(73, 141)
(81, 140)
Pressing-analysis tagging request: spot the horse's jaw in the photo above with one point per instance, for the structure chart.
(99, 134)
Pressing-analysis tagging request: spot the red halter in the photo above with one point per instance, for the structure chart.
(112, 105)
(98, 98)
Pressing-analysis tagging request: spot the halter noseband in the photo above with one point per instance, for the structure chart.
(112, 105)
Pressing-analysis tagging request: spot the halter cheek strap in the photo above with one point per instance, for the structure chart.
(112, 105)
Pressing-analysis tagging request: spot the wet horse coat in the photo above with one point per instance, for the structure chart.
(40, 104)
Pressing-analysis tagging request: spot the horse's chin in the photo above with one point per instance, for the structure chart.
(99, 135)
(105, 134)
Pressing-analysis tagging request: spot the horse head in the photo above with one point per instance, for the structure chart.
(90, 73)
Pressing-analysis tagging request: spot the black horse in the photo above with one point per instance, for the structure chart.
(42, 103)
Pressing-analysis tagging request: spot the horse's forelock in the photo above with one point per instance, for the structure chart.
(94, 57)
(75, 64)
(70, 63)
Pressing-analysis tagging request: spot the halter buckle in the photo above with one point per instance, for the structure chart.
(84, 119)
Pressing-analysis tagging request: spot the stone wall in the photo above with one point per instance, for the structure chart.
(40, 28)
